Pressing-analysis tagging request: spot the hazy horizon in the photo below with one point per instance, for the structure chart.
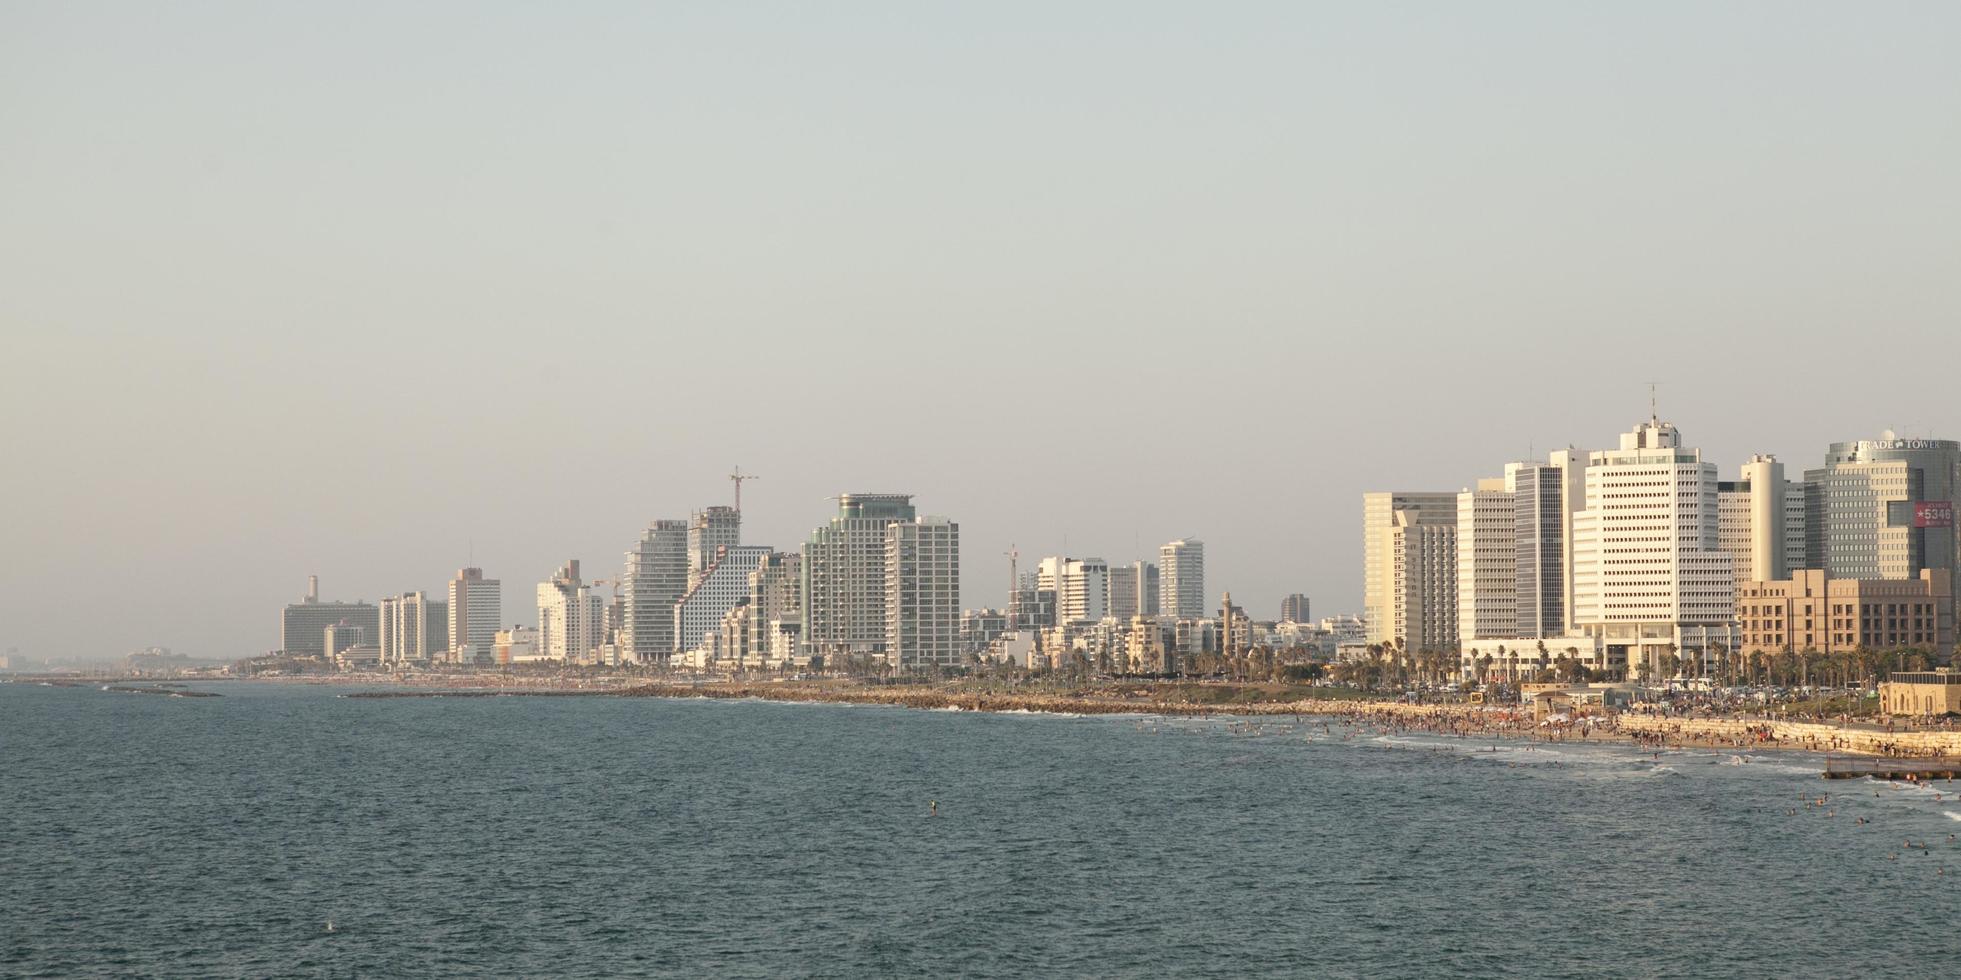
(361, 291)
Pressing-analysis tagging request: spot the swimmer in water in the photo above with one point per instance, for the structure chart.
(933, 809)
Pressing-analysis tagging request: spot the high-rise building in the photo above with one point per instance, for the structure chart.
(1149, 599)
(412, 629)
(1796, 546)
(302, 624)
(1541, 546)
(1649, 575)
(571, 616)
(476, 609)
(709, 531)
(716, 590)
(1294, 609)
(655, 579)
(1379, 524)
(1487, 562)
(1181, 579)
(1423, 596)
(1081, 587)
(1883, 508)
(775, 599)
(1751, 520)
(1120, 596)
(922, 593)
(844, 586)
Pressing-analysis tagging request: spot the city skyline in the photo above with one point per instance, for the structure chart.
(975, 595)
(260, 328)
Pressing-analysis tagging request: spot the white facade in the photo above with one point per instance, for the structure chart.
(1081, 585)
(413, 629)
(1181, 579)
(516, 645)
(1487, 563)
(1648, 569)
(476, 608)
(1752, 521)
(571, 616)
(717, 589)
(922, 593)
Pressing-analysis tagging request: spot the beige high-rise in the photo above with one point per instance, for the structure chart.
(1379, 541)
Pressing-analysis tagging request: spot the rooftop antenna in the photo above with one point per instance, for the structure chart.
(1654, 411)
(737, 477)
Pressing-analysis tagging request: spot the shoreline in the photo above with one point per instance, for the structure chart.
(1720, 733)
(1458, 720)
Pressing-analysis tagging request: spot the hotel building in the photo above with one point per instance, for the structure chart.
(476, 606)
(1649, 575)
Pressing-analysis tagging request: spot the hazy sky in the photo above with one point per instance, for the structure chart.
(350, 289)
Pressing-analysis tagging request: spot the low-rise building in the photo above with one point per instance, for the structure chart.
(517, 645)
(1812, 611)
(1933, 692)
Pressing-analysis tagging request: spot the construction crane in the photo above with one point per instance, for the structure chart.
(736, 478)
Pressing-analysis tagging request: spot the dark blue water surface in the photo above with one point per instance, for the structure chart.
(626, 836)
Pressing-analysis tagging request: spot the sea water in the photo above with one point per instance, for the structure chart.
(285, 830)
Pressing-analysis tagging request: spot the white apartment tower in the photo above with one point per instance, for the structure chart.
(413, 629)
(571, 616)
(922, 593)
(1487, 563)
(1181, 579)
(1379, 525)
(1649, 574)
(476, 607)
(1082, 587)
(656, 578)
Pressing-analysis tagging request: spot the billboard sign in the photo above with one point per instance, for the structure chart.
(1933, 513)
